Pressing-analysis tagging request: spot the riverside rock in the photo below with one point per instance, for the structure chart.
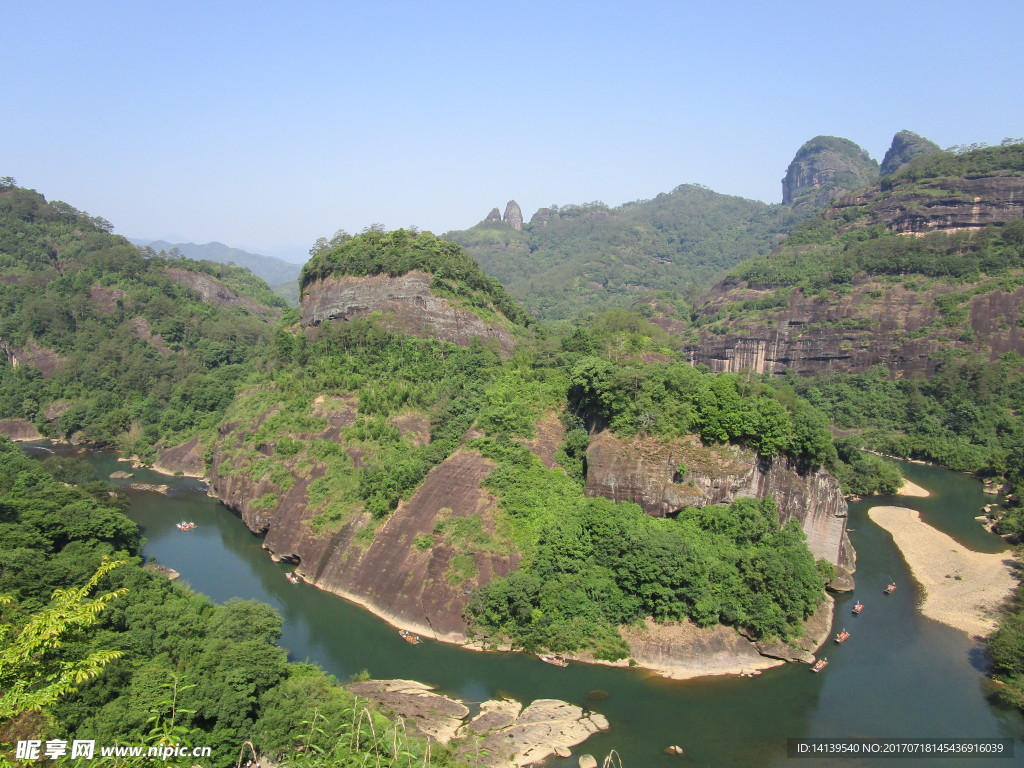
(503, 735)
(643, 470)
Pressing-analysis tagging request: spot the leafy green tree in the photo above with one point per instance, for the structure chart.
(33, 674)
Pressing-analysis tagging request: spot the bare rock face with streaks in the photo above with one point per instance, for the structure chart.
(645, 470)
(513, 215)
(406, 304)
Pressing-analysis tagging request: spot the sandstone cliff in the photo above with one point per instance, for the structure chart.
(513, 215)
(407, 304)
(823, 168)
(901, 322)
(644, 470)
(877, 323)
(906, 145)
(406, 569)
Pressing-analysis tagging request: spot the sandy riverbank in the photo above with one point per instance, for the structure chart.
(912, 489)
(963, 588)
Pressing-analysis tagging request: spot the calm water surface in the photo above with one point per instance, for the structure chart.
(899, 675)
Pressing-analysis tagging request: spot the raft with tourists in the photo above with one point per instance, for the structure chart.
(819, 665)
(842, 637)
(409, 637)
(550, 658)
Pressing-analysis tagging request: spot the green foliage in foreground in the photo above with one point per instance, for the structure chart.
(176, 667)
(1006, 651)
(592, 565)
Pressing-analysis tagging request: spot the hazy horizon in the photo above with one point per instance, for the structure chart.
(266, 126)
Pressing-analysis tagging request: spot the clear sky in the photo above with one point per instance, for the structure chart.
(269, 124)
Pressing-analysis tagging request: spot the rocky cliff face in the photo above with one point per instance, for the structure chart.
(877, 323)
(19, 430)
(644, 470)
(513, 215)
(906, 145)
(407, 304)
(937, 205)
(213, 290)
(823, 168)
(383, 568)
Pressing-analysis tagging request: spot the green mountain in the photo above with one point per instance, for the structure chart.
(110, 343)
(573, 259)
(281, 275)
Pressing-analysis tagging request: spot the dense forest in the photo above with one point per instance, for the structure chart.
(122, 347)
(176, 667)
(575, 259)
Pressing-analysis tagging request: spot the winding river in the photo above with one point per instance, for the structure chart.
(900, 674)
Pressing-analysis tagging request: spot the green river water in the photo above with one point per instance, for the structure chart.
(899, 675)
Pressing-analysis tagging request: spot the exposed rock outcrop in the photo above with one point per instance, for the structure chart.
(106, 298)
(932, 205)
(503, 735)
(19, 430)
(513, 215)
(644, 470)
(878, 322)
(212, 290)
(183, 459)
(823, 168)
(906, 145)
(406, 303)
(46, 360)
(411, 586)
(142, 329)
(494, 215)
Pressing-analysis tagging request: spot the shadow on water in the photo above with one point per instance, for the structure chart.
(899, 675)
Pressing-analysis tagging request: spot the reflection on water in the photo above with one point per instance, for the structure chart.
(899, 675)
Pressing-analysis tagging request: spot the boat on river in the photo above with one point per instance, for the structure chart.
(550, 658)
(290, 575)
(819, 665)
(842, 637)
(857, 608)
(409, 637)
(890, 589)
(184, 526)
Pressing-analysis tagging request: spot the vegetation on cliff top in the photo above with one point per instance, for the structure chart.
(376, 252)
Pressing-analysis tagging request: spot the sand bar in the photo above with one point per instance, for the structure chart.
(969, 603)
(912, 489)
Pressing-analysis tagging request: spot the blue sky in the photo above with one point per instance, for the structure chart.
(269, 124)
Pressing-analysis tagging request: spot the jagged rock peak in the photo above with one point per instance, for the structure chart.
(905, 146)
(513, 215)
(824, 167)
(542, 217)
(494, 215)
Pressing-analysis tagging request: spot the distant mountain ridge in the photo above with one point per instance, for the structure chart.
(279, 274)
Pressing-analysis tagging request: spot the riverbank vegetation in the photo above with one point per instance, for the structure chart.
(176, 667)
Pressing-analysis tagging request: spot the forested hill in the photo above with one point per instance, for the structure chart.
(113, 343)
(577, 258)
(282, 276)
